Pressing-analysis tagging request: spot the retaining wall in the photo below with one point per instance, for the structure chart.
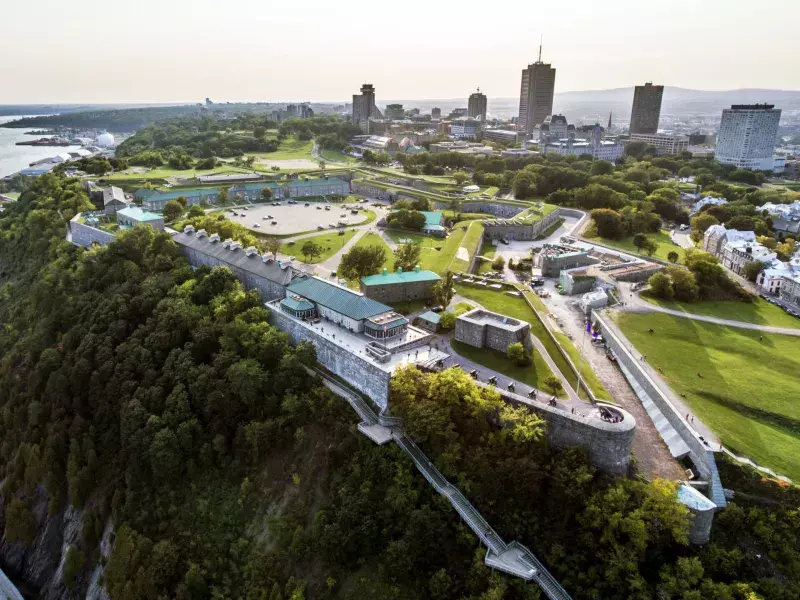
(608, 444)
(359, 372)
(84, 235)
(621, 347)
(527, 232)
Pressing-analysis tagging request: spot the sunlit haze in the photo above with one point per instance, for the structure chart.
(251, 50)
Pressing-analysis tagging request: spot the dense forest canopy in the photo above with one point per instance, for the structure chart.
(143, 391)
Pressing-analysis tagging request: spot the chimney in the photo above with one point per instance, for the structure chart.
(201, 233)
(236, 246)
(214, 237)
(250, 251)
(416, 269)
(188, 229)
(227, 243)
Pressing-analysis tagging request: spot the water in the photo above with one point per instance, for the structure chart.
(14, 158)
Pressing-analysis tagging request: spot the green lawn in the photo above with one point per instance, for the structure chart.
(337, 157)
(487, 250)
(469, 244)
(290, 149)
(534, 375)
(167, 172)
(665, 245)
(450, 215)
(331, 243)
(749, 387)
(759, 312)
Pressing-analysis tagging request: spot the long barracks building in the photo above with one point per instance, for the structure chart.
(296, 188)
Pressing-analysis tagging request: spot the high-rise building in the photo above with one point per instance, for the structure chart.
(364, 107)
(746, 137)
(395, 112)
(436, 113)
(477, 105)
(646, 108)
(536, 94)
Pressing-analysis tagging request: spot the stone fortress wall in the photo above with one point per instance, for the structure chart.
(81, 234)
(483, 329)
(359, 372)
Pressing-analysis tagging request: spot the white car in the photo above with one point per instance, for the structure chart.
(256, 224)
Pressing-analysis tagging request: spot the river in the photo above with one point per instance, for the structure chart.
(13, 157)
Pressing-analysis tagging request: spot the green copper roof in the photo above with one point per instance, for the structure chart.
(387, 278)
(430, 317)
(432, 217)
(297, 303)
(336, 298)
(136, 213)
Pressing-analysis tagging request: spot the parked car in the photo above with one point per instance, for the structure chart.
(245, 208)
(308, 204)
(256, 225)
(437, 309)
(274, 223)
(320, 227)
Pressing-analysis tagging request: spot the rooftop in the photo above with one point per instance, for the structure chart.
(138, 214)
(340, 299)
(694, 498)
(399, 276)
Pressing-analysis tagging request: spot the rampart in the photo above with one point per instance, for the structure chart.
(81, 234)
(359, 372)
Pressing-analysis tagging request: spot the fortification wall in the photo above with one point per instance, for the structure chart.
(359, 372)
(608, 444)
(621, 347)
(523, 232)
(84, 235)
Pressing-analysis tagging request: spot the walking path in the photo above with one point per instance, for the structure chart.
(512, 558)
(633, 303)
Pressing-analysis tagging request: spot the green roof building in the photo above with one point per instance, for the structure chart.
(434, 221)
(400, 286)
(133, 215)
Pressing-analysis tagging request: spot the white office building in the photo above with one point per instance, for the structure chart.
(665, 143)
(465, 128)
(746, 137)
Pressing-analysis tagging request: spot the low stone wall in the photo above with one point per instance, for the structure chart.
(84, 235)
(359, 372)
(620, 346)
(475, 329)
(608, 444)
(525, 232)
(498, 209)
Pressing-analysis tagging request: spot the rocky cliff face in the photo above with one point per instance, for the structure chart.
(40, 565)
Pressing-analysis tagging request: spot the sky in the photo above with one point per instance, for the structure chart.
(73, 51)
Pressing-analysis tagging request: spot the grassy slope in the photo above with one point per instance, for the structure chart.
(759, 312)
(748, 390)
(534, 375)
(331, 243)
(290, 149)
(470, 243)
(334, 156)
(665, 245)
(487, 251)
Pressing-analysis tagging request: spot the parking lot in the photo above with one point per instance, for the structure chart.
(287, 219)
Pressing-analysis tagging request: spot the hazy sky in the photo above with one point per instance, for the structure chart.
(249, 50)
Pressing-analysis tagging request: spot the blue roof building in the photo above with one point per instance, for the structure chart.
(400, 286)
(133, 215)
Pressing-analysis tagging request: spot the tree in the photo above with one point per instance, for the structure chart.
(182, 201)
(498, 264)
(684, 284)
(20, 523)
(460, 177)
(650, 246)
(272, 245)
(408, 219)
(608, 223)
(661, 286)
(552, 383)
(361, 261)
(443, 291)
(406, 256)
(172, 210)
(639, 240)
(266, 194)
(518, 354)
(602, 167)
(223, 196)
(752, 269)
(447, 320)
(73, 563)
(311, 250)
(195, 210)
(701, 222)
(321, 165)
(673, 256)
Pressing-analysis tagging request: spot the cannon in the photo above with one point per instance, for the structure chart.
(474, 373)
(492, 380)
(511, 387)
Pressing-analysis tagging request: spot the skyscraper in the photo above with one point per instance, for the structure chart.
(395, 112)
(536, 94)
(436, 113)
(746, 137)
(364, 107)
(646, 108)
(477, 105)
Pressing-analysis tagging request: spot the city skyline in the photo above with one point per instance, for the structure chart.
(272, 53)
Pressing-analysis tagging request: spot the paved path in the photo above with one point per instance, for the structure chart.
(633, 303)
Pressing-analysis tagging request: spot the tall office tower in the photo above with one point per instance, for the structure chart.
(395, 112)
(477, 105)
(364, 107)
(646, 108)
(436, 113)
(746, 137)
(536, 94)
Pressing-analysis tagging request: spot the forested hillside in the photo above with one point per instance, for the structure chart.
(141, 391)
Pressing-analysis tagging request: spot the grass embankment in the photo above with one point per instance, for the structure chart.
(289, 149)
(331, 243)
(533, 375)
(743, 384)
(487, 251)
(468, 247)
(759, 312)
(337, 157)
(133, 174)
(665, 245)
(517, 308)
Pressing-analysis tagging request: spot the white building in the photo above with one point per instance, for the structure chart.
(465, 128)
(599, 149)
(737, 254)
(785, 217)
(707, 201)
(105, 140)
(747, 134)
(716, 237)
(664, 143)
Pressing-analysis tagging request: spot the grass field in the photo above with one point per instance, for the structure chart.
(487, 250)
(331, 243)
(290, 149)
(759, 312)
(334, 156)
(749, 387)
(534, 375)
(665, 245)
(167, 172)
(470, 243)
